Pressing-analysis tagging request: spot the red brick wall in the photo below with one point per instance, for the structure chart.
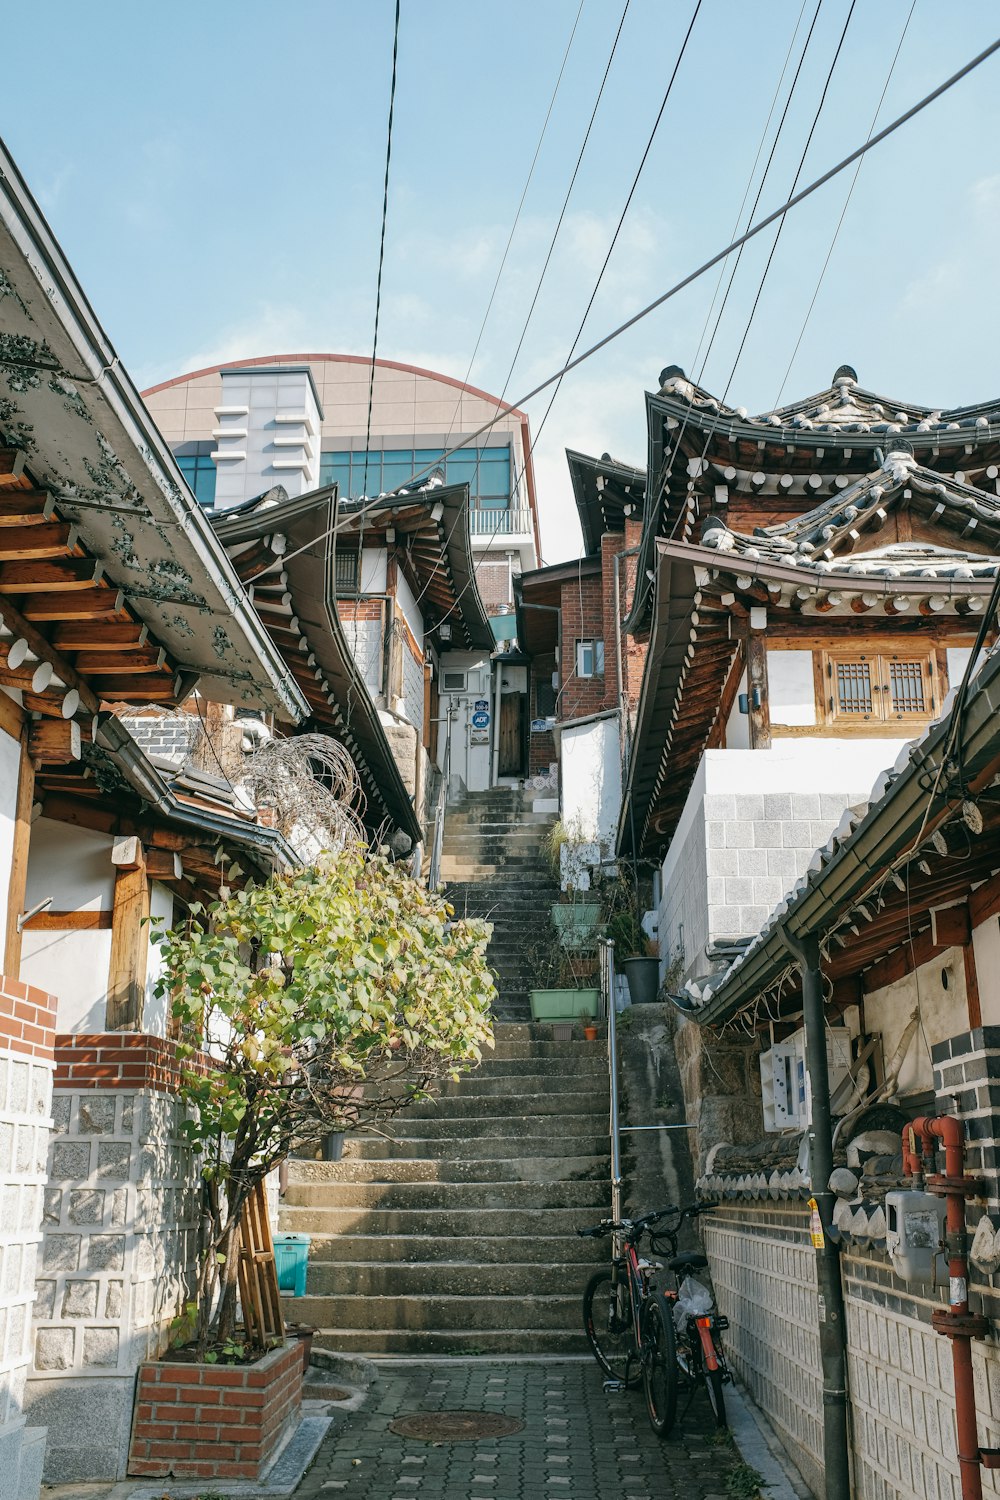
(360, 609)
(214, 1421)
(493, 582)
(541, 747)
(582, 619)
(27, 1019)
(117, 1060)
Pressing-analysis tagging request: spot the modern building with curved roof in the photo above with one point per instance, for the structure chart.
(234, 431)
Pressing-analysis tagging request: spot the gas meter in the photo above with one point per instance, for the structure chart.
(914, 1235)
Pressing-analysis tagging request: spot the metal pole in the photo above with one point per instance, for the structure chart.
(830, 1292)
(608, 998)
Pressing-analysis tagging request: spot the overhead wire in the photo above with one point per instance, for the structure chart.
(847, 200)
(687, 280)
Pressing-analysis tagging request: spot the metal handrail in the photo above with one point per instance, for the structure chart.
(437, 843)
(607, 947)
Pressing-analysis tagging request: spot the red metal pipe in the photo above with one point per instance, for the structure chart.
(956, 1323)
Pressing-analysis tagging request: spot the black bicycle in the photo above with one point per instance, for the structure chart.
(631, 1326)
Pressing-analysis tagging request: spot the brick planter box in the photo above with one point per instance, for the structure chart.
(214, 1421)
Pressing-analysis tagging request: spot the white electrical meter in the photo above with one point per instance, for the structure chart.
(914, 1236)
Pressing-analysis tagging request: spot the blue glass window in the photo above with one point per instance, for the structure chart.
(195, 463)
(485, 470)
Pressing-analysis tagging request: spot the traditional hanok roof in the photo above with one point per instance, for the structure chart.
(705, 455)
(901, 880)
(118, 560)
(605, 491)
(296, 601)
(817, 566)
(434, 542)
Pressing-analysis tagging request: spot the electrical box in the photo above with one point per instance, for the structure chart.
(785, 1082)
(914, 1234)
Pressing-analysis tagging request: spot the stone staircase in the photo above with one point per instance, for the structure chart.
(458, 1235)
(495, 864)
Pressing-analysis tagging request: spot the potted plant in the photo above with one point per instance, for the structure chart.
(565, 990)
(326, 999)
(589, 1029)
(635, 954)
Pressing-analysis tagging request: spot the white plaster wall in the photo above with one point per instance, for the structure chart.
(986, 947)
(590, 757)
(73, 866)
(943, 1012)
(958, 660)
(154, 1015)
(373, 568)
(10, 762)
(738, 725)
(410, 609)
(790, 689)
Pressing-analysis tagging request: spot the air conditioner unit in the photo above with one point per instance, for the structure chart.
(785, 1082)
(454, 682)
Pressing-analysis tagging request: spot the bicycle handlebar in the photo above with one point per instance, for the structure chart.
(638, 1227)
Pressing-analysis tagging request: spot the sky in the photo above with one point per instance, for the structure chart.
(214, 173)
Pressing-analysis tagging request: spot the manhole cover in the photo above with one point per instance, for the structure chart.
(455, 1426)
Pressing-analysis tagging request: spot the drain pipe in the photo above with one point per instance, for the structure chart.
(832, 1330)
(956, 1322)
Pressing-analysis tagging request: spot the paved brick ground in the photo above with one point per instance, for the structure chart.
(577, 1442)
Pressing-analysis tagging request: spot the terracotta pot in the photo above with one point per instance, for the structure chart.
(590, 1033)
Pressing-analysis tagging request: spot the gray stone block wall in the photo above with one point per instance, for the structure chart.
(171, 735)
(764, 1273)
(117, 1262)
(25, 1102)
(741, 855)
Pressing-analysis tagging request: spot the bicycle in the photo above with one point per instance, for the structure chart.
(631, 1327)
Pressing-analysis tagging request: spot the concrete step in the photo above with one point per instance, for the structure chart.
(466, 1222)
(441, 1313)
(415, 1249)
(481, 1083)
(585, 1059)
(467, 1106)
(442, 1278)
(560, 1128)
(515, 1150)
(455, 1197)
(434, 1169)
(374, 1342)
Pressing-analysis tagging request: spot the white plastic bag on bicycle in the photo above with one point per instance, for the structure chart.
(693, 1301)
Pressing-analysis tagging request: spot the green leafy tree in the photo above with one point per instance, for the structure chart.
(326, 999)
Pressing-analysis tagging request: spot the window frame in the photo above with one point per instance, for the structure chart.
(879, 660)
(595, 644)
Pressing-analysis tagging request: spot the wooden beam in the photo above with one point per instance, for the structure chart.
(18, 882)
(157, 687)
(760, 718)
(12, 462)
(53, 742)
(50, 576)
(25, 507)
(951, 926)
(139, 659)
(972, 986)
(98, 635)
(68, 604)
(69, 921)
(20, 543)
(129, 944)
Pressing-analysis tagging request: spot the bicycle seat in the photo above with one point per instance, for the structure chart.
(691, 1262)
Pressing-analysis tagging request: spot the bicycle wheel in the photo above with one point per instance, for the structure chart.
(659, 1365)
(607, 1322)
(716, 1396)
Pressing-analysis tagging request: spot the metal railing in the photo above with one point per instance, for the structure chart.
(437, 841)
(610, 1015)
(516, 521)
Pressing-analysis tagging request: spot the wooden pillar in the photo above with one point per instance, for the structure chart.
(972, 986)
(760, 718)
(19, 859)
(129, 939)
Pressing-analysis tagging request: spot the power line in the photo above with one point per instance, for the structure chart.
(517, 215)
(614, 238)
(692, 276)
(381, 246)
(847, 200)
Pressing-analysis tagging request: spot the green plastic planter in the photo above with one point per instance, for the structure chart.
(563, 1005)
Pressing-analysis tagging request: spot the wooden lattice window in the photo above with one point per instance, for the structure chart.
(883, 687)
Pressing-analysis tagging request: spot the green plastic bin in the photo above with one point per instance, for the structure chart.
(291, 1257)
